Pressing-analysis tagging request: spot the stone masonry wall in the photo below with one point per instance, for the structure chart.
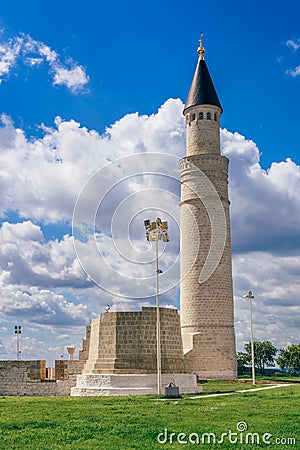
(84, 352)
(125, 342)
(64, 369)
(28, 378)
(136, 341)
(203, 134)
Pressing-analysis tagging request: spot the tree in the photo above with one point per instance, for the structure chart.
(264, 355)
(242, 362)
(289, 359)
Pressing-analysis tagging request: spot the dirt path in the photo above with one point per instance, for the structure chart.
(242, 391)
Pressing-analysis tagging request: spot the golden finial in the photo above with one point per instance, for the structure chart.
(201, 49)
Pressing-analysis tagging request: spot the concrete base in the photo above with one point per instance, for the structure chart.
(132, 384)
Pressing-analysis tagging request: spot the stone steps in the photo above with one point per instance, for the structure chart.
(97, 365)
(132, 384)
(107, 391)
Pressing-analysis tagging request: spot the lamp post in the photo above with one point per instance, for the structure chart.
(156, 231)
(250, 296)
(18, 333)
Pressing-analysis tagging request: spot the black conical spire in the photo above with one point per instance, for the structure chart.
(202, 90)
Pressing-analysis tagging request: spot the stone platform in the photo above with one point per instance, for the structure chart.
(132, 384)
(124, 342)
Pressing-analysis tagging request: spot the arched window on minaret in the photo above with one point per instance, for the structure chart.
(208, 116)
(201, 116)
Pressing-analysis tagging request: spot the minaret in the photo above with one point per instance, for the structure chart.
(206, 296)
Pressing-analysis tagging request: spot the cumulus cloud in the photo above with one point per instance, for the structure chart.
(75, 78)
(295, 45)
(9, 52)
(30, 260)
(41, 306)
(69, 154)
(41, 179)
(33, 53)
(265, 208)
(275, 281)
(294, 72)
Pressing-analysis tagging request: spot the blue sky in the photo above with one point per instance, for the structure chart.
(94, 65)
(139, 54)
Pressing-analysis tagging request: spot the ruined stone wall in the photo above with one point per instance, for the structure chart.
(65, 369)
(29, 378)
(32, 378)
(84, 352)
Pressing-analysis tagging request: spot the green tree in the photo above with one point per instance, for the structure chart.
(264, 355)
(242, 362)
(289, 359)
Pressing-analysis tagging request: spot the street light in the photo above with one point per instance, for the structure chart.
(156, 231)
(250, 296)
(18, 332)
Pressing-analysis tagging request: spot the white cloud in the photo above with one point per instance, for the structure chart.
(50, 55)
(69, 154)
(294, 72)
(293, 43)
(40, 306)
(20, 231)
(75, 78)
(34, 53)
(275, 282)
(33, 61)
(265, 208)
(29, 260)
(9, 52)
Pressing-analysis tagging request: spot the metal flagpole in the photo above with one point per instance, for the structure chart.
(252, 341)
(250, 297)
(156, 231)
(158, 352)
(18, 333)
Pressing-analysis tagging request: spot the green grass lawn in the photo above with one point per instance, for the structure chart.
(112, 423)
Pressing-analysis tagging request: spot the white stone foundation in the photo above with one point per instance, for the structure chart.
(132, 384)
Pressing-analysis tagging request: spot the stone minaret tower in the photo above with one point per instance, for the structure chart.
(206, 297)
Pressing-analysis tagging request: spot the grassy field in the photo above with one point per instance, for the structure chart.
(111, 423)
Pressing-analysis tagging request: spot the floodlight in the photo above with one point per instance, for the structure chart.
(165, 237)
(147, 223)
